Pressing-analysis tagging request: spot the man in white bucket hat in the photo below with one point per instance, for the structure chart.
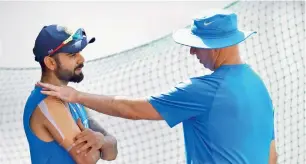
(227, 116)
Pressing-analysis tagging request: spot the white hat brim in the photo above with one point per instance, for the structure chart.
(185, 37)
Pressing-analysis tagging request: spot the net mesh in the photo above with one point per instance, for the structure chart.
(276, 53)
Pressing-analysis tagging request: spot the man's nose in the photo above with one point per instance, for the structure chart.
(80, 58)
(192, 50)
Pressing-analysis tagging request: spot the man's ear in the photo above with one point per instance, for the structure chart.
(217, 51)
(50, 63)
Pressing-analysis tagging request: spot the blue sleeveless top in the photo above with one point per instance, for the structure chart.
(48, 152)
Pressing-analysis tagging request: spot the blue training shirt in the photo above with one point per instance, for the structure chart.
(227, 116)
(42, 152)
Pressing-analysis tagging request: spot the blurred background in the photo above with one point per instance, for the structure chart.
(117, 25)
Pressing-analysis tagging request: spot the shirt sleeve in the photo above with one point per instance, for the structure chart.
(184, 101)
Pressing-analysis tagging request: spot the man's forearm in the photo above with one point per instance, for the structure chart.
(110, 105)
(109, 150)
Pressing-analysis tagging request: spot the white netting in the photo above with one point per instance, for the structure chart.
(276, 53)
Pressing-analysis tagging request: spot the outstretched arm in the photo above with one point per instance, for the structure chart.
(110, 105)
(178, 104)
(124, 107)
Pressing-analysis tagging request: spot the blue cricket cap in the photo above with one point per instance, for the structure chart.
(216, 28)
(52, 36)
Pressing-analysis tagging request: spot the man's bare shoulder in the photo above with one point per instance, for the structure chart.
(41, 116)
(50, 100)
(49, 103)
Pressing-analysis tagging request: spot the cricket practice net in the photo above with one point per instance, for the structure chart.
(276, 52)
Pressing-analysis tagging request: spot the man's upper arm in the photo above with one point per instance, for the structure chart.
(185, 101)
(59, 121)
(61, 126)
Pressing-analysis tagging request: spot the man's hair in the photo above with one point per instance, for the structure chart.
(43, 65)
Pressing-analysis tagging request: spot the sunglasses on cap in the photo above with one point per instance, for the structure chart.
(77, 35)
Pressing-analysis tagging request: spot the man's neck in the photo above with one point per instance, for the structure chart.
(52, 79)
(228, 56)
(233, 60)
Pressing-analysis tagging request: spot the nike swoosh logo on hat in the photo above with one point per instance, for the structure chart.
(208, 23)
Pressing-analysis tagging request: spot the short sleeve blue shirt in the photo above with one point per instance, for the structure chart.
(227, 116)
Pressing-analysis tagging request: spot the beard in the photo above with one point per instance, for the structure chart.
(68, 75)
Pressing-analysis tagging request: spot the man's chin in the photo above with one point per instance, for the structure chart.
(77, 79)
